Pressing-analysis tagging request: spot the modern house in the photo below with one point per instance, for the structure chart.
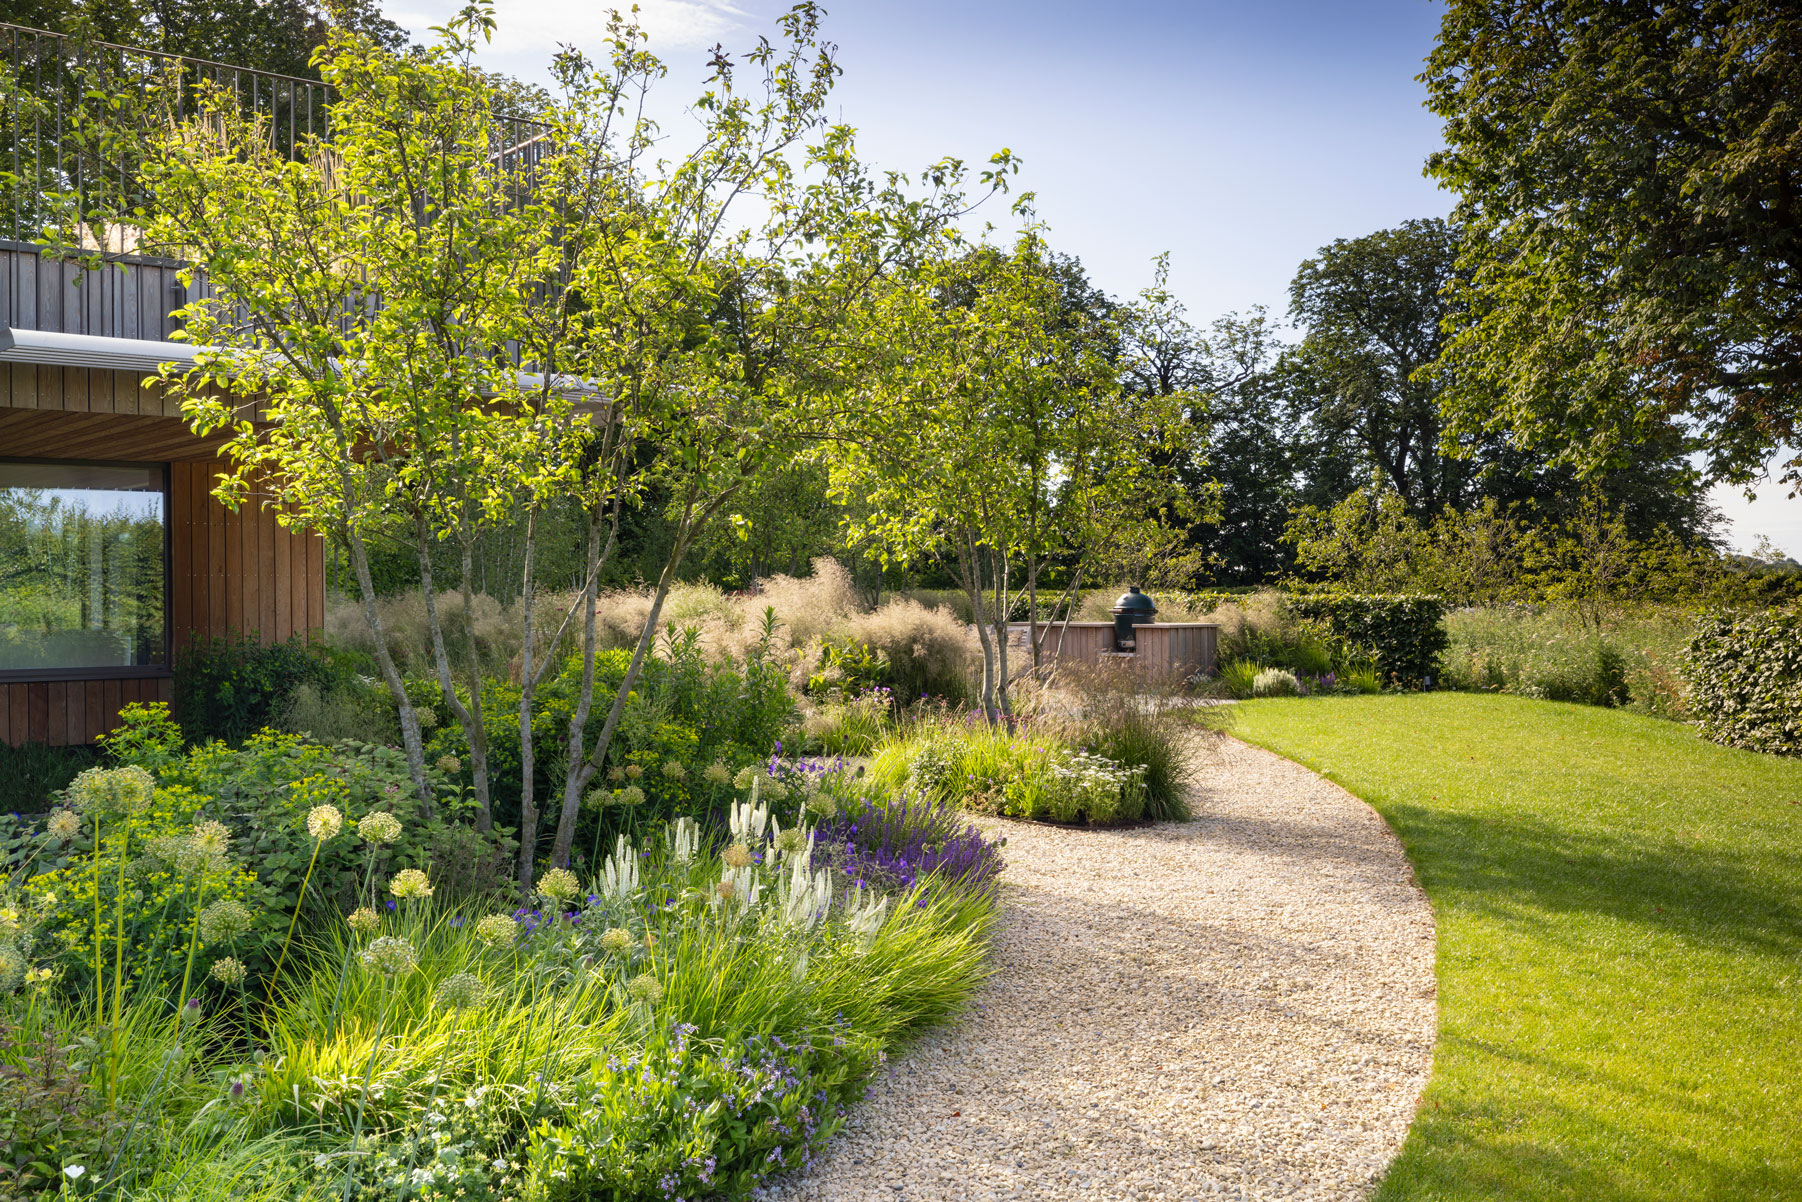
(113, 553)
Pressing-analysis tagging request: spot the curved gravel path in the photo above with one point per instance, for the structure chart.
(1241, 1006)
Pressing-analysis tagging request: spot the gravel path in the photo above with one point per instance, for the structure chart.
(1241, 1006)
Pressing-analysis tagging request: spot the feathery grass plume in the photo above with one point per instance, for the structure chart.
(324, 822)
(379, 827)
(364, 921)
(410, 884)
(228, 971)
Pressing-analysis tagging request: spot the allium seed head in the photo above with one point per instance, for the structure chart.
(559, 885)
(449, 763)
(210, 839)
(791, 840)
(497, 929)
(631, 795)
(223, 920)
(410, 883)
(738, 856)
(459, 992)
(616, 940)
(674, 770)
(63, 826)
(645, 989)
(229, 971)
(379, 827)
(324, 822)
(616, 774)
(634, 771)
(364, 921)
(391, 956)
(716, 773)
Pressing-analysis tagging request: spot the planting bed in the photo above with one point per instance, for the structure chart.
(1237, 1006)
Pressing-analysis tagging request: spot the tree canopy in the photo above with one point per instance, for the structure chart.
(1631, 201)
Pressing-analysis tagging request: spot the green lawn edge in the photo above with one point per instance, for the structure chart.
(1619, 915)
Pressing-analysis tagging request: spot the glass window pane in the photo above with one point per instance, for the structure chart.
(81, 565)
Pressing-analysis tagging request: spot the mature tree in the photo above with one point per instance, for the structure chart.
(1631, 190)
(1373, 308)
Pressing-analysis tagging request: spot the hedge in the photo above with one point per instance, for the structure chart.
(1745, 681)
(1402, 635)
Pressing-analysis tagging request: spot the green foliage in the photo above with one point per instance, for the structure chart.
(843, 725)
(851, 666)
(32, 773)
(1616, 908)
(1021, 775)
(231, 687)
(683, 708)
(1121, 728)
(1401, 636)
(1237, 676)
(1745, 681)
(1552, 652)
(48, 1115)
(1623, 263)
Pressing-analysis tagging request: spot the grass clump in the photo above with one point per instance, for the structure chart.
(1619, 943)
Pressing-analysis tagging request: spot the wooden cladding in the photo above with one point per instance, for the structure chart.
(237, 571)
(130, 300)
(1173, 649)
(68, 713)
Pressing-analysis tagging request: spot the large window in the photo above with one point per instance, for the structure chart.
(83, 566)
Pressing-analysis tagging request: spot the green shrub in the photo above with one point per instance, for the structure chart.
(1122, 729)
(32, 772)
(1236, 678)
(1402, 636)
(848, 665)
(1275, 682)
(1023, 775)
(231, 687)
(1361, 678)
(684, 708)
(1745, 681)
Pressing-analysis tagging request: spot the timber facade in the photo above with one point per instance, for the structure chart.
(71, 652)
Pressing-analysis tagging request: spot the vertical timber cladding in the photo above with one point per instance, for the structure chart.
(237, 571)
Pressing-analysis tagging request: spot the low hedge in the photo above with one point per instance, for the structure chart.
(1745, 681)
(1402, 635)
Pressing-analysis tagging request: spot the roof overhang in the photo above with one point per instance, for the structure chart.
(56, 349)
(91, 350)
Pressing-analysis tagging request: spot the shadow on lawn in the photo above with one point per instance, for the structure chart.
(1510, 865)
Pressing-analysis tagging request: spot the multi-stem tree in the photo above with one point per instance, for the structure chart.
(993, 431)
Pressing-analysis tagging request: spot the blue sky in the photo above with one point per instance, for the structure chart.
(1239, 137)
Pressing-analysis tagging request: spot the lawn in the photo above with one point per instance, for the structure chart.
(1619, 908)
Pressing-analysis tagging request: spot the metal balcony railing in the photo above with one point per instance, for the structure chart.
(60, 78)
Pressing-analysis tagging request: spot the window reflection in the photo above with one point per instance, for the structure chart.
(81, 566)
